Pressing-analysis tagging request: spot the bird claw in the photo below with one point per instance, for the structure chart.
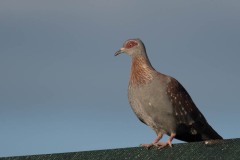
(159, 145)
(147, 145)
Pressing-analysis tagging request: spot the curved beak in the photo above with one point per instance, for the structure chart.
(121, 50)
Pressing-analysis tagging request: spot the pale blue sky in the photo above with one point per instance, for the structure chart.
(62, 90)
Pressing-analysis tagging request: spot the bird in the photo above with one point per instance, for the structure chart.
(161, 102)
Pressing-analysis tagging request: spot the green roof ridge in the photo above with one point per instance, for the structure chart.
(218, 149)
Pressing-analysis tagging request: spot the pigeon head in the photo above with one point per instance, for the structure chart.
(132, 47)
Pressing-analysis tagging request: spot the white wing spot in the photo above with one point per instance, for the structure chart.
(193, 131)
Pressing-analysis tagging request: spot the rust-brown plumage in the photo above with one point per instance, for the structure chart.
(161, 102)
(140, 72)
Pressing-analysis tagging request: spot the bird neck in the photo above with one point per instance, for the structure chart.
(141, 70)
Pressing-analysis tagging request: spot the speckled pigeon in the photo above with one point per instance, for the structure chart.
(161, 102)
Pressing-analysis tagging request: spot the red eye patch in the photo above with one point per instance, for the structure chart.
(130, 44)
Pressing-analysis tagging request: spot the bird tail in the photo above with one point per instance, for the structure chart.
(209, 134)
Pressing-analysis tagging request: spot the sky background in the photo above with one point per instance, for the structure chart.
(62, 89)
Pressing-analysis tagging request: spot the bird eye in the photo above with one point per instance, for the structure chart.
(130, 44)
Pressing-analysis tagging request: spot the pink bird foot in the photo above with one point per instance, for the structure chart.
(161, 145)
(167, 143)
(158, 144)
(154, 143)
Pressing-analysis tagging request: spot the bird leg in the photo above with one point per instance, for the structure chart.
(154, 143)
(167, 143)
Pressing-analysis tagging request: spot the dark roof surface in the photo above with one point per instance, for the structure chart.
(221, 149)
